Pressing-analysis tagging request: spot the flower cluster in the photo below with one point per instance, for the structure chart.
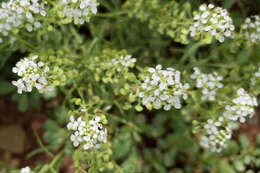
(163, 88)
(26, 169)
(217, 134)
(90, 135)
(255, 77)
(250, 29)
(213, 20)
(15, 14)
(209, 83)
(79, 10)
(33, 73)
(242, 107)
(125, 61)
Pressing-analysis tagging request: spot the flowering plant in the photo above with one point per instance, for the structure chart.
(137, 85)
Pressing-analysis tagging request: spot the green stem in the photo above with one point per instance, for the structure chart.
(112, 15)
(92, 45)
(129, 124)
(41, 144)
(56, 158)
(191, 50)
(25, 42)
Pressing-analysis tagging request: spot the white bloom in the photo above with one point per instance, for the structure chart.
(79, 10)
(208, 83)
(242, 107)
(90, 134)
(250, 29)
(163, 88)
(26, 169)
(72, 125)
(32, 74)
(213, 20)
(20, 13)
(125, 61)
(215, 135)
(76, 139)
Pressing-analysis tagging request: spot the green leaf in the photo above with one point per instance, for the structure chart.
(243, 56)
(122, 143)
(23, 103)
(239, 166)
(6, 87)
(61, 114)
(54, 135)
(244, 142)
(132, 164)
(247, 159)
(227, 4)
(258, 140)
(51, 125)
(225, 167)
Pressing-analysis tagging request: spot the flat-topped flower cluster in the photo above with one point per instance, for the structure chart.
(32, 73)
(79, 10)
(250, 29)
(216, 135)
(242, 107)
(218, 132)
(21, 13)
(213, 20)
(90, 134)
(209, 83)
(125, 61)
(163, 88)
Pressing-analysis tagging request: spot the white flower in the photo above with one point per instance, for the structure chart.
(215, 135)
(90, 134)
(125, 61)
(79, 10)
(163, 88)
(250, 30)
(76, 139)
(87, 146)
(72, 125)
(208, 83)
(213, 20)
(26, 169)
(32, 74)
(20, 13)
(242, 107)
(211, 126)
